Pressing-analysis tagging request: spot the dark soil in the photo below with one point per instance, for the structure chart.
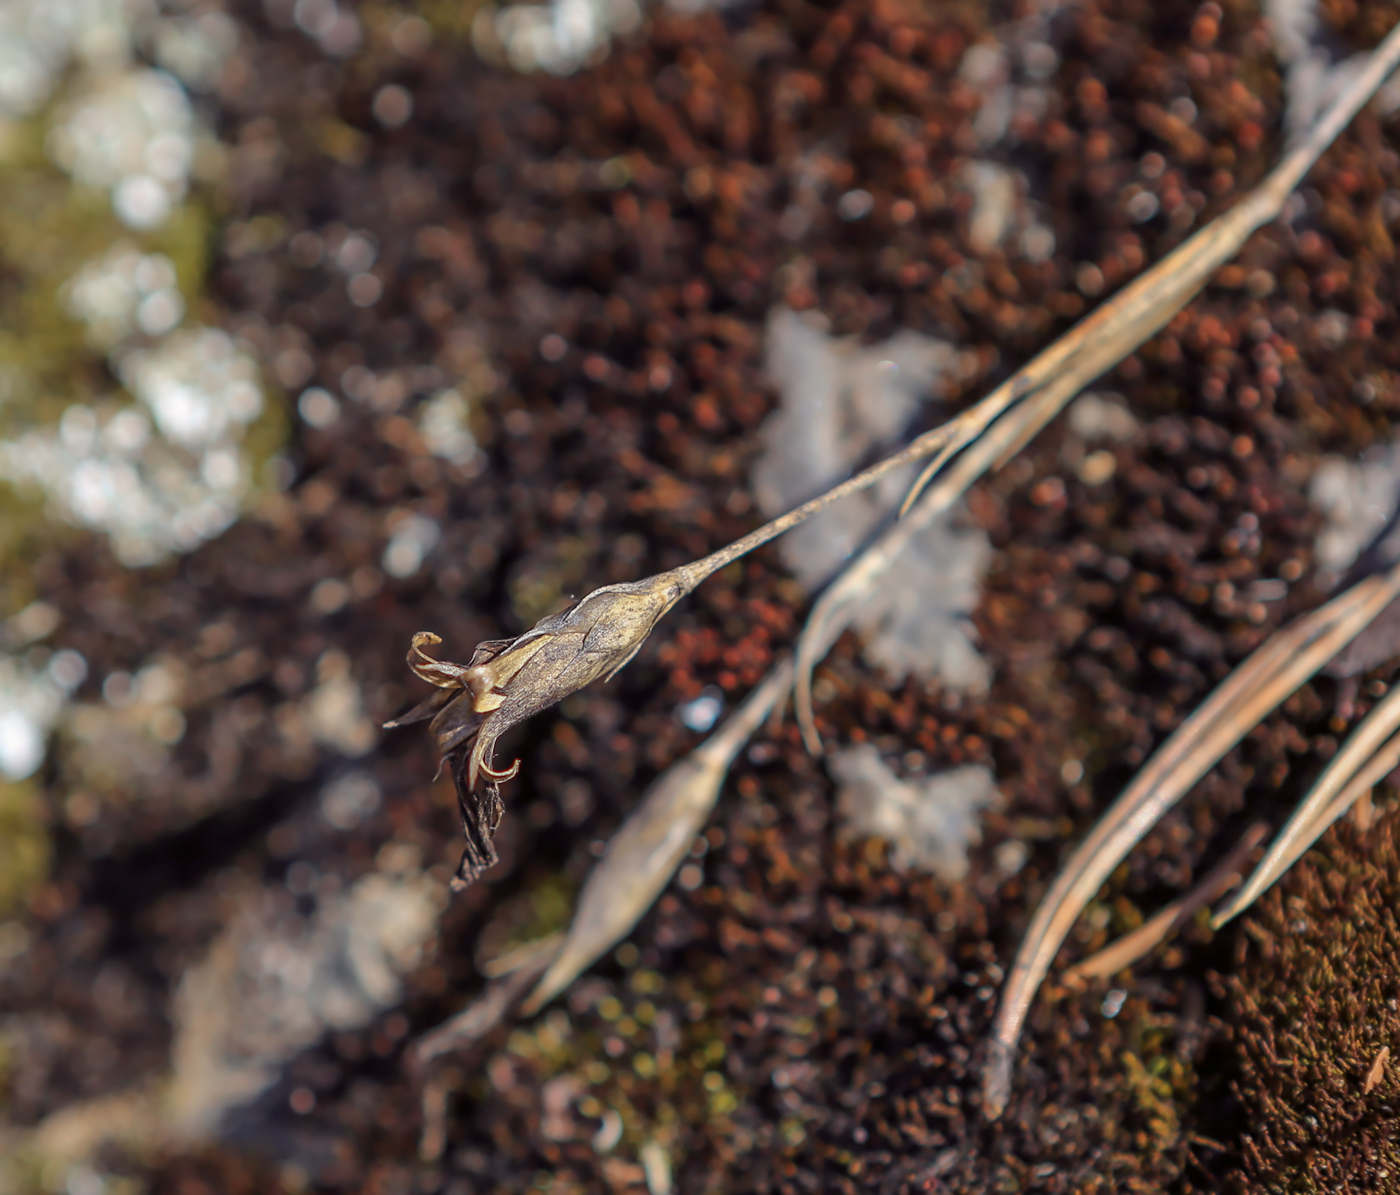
(634, 211)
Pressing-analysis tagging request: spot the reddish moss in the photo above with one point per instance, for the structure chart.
(1315, 1002)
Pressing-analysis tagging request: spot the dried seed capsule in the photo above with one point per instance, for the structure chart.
(510, 680)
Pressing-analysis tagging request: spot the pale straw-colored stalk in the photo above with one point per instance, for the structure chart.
(1363, 757)
(644, 854)
(1123, 953)
(1251, 692)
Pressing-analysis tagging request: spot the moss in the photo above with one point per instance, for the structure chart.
(1315, 1000)
(24, 845)
(655, 1076)
(49, 228)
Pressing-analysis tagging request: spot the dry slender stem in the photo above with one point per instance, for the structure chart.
(1385, 761)
(1130, 947)
(1310, 819)
(697, 570)
(1258, 685)
(1054, 376)
(1247, 695)
(833, 609)
(1146, 305)
(1375, 769)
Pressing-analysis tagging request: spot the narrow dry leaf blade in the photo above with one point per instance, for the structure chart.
(837, 605)
(1309, 820)
(643, 855)
(1385, 761)
(1130, 947)
(1256, 687)
(1180, 760)
(1045, 384)
(1381, 764)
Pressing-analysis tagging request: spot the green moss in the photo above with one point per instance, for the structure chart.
(666, 1087)
(49, 229)
(24, 845)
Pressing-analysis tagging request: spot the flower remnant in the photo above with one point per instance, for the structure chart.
(510, 680)
(792, 1012)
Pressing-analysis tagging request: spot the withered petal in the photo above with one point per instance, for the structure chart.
(481, 813)
(455, 727)
(481, 762)
(487, 650)
(427, 708)
(434, 671)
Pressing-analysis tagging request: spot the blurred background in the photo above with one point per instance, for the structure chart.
(324, 323)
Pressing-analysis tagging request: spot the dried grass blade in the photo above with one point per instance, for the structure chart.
(1052, 378)
(489, 1009)
(1385, 761)
(1314, 815)
(1253, 690)
(645, 852)
(1130, 947)
(1146, 305)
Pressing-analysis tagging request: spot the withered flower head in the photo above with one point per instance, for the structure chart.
(510, 680)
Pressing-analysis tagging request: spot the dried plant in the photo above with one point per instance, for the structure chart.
(640, 860)
(645, 852)
(1123, 953)
(1250, 693)
(1000, 425)
(507, 681)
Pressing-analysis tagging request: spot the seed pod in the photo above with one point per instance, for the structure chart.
(510, 680)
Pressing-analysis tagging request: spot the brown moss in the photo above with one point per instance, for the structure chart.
(1315, 1001)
